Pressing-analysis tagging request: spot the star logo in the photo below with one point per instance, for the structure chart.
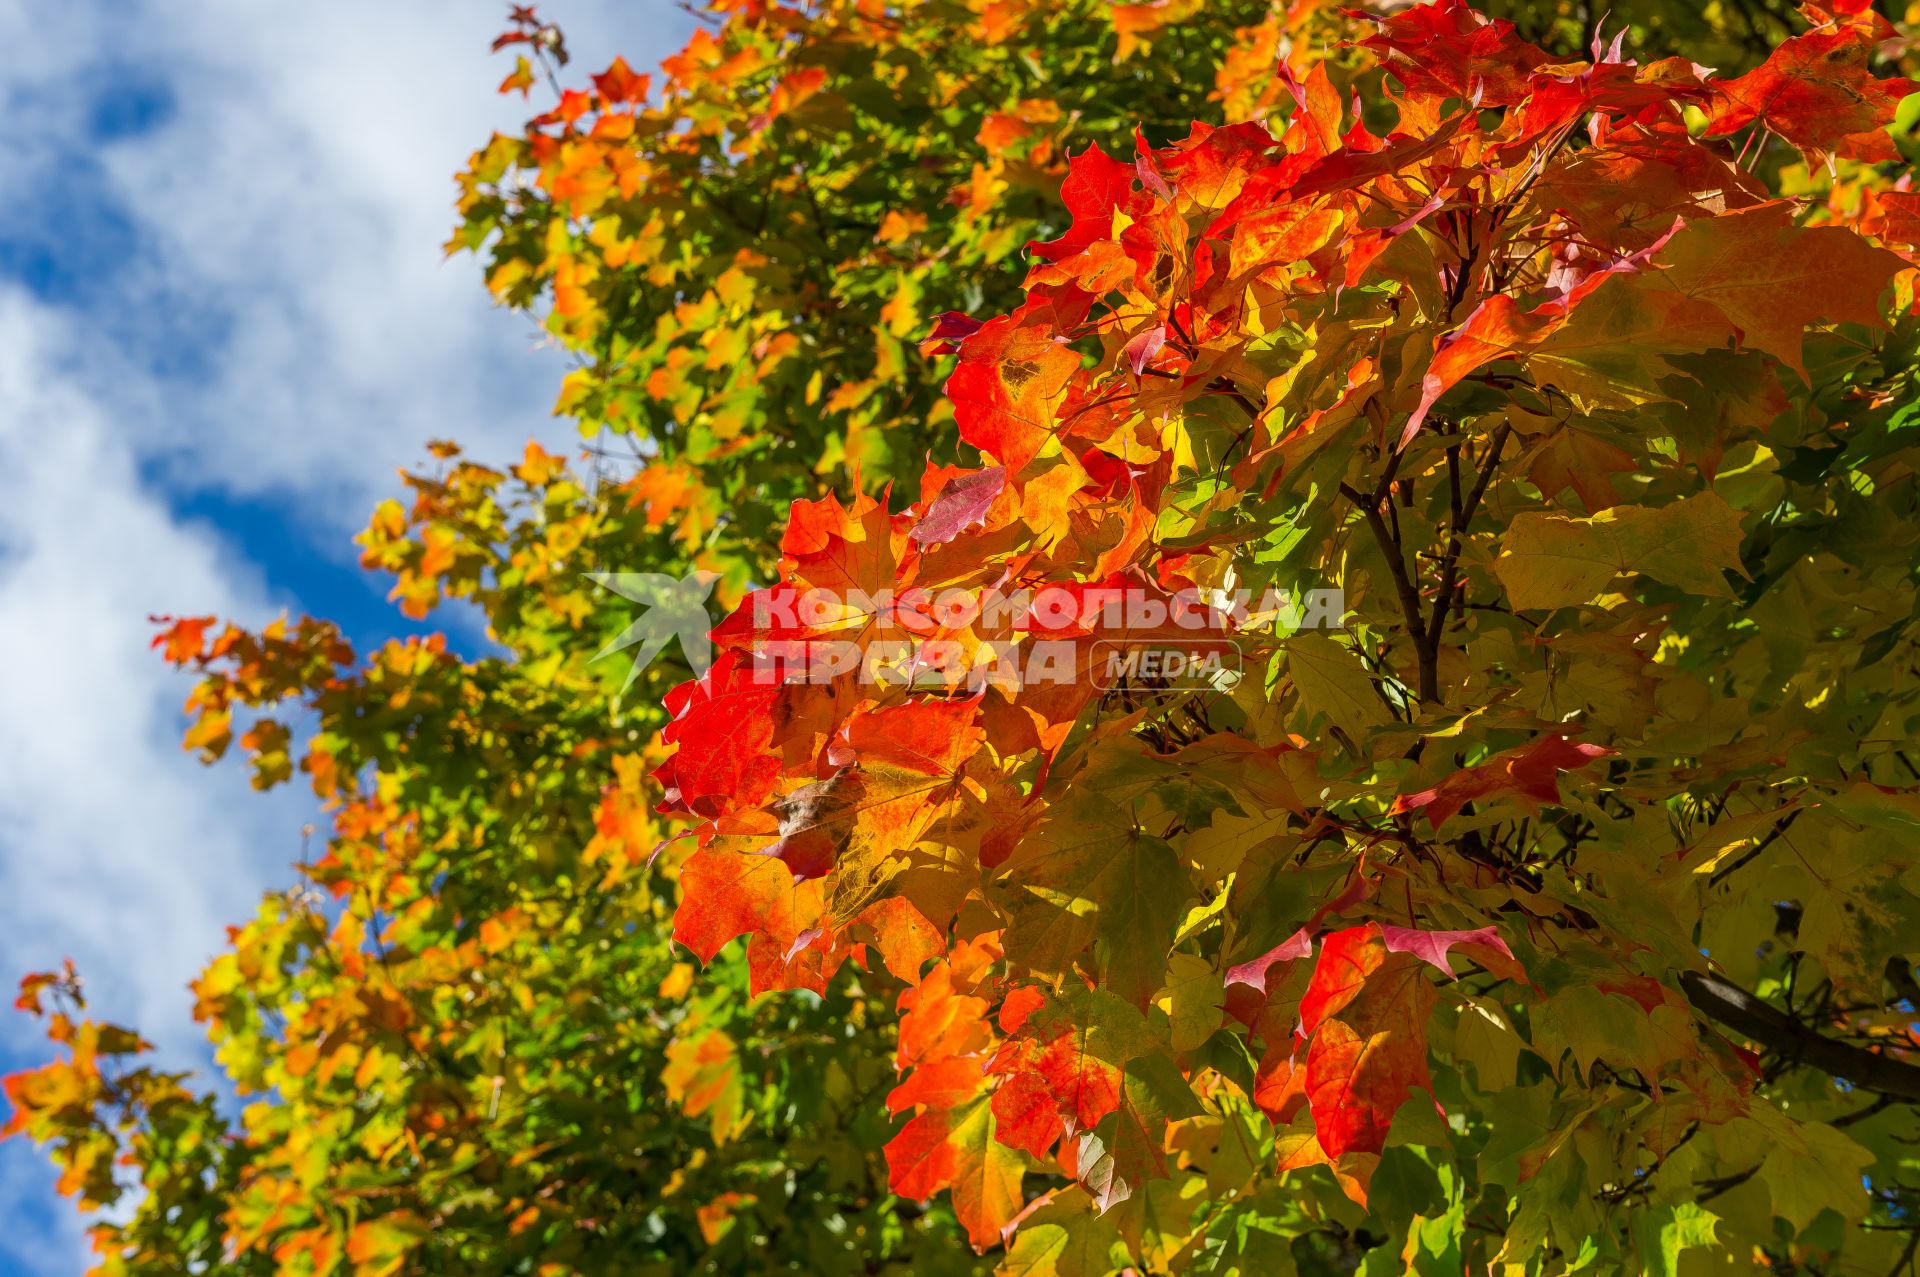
(674, 608)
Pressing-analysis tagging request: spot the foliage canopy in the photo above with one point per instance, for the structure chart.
(1552, 913)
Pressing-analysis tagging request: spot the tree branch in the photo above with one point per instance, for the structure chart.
(1726, 1003)
(1779, 829)
(1429, 675)
(1460, 514)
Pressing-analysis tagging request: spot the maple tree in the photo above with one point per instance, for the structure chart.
(461, 1043)
(743, 264)
(1574, 410)
(1549, 914)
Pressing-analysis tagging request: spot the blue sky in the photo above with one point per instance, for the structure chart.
(224, 323)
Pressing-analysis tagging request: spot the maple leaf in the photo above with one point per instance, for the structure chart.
(1775, 280)
(956, 1149)
(620, 83)
(1076, 1047)
(703, 1077)
(960, 502)
(844, 549)
(1128, 1147)
(1026, 1114)
(1254, 972)
(1365, 1015)
(519, 80)
(1095, 185)
(183, 639)
(1448, 49)
(726, 721)
(1815, 90)
(1083, 882)
(727, 894)
(906, 937)
(1551, 560)
(1578, 460)
(1529, 772)
(1010, 390)
(1483, 944)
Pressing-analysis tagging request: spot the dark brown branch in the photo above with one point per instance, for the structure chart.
(1727, 1004)
(1780, 828)
(1424, 631)
(1906, 1256)
(1500, 438)
(1429, 676)
(1460, 514)
(1712, 1188)
(1221, 386)
(1880, 1105)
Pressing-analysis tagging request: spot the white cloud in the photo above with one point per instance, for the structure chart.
(115, 849)
(291, 211)
(271, 320)
(115, 844)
